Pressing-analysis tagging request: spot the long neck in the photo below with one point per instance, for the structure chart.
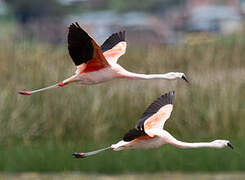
(184, 145)
(167, 76)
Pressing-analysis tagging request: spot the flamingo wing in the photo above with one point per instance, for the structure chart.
(84, 51)
(133, 134)
(114, 46)
(156, 114)
(153, 118)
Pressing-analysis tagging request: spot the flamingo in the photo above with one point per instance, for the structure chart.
(149, 133)
(97, 64)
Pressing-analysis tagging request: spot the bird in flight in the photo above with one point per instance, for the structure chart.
(97, 64)
(149, 133)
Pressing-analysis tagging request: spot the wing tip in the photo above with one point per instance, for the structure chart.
(74, 25)
(113, 40)
(171, 94)
(121, 35)
(167, 98)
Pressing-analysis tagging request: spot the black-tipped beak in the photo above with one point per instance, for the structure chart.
(185, 79)
(230, 145)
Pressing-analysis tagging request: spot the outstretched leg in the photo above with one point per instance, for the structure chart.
(61, 84)
(83, 155)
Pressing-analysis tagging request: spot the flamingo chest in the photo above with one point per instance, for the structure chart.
(146, 143)
(95, 77)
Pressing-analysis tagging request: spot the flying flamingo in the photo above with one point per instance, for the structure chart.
(149, 133)
(97, 64)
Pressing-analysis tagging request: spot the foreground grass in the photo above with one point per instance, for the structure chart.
(87, 117)
(50, 157)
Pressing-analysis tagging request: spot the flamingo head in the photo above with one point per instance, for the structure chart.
(183, 76)
(180, 75)
(221, 144)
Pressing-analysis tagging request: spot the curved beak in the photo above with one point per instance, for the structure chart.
(230, 145)
(184, 78)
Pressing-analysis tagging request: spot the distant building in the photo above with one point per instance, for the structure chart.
(242, 6)
(70, 2)
(140, 27)
(221, 16)
(3, 8)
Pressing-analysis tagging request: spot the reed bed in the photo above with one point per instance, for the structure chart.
(53, 124)
(211, 105)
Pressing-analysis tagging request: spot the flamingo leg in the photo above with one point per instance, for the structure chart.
(83, 155)
(61, 84)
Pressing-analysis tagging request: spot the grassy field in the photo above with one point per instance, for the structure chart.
(39, 132)
(56, 157)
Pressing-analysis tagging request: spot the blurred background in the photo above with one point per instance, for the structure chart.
(203, 38)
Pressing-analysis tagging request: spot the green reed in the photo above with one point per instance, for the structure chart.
(211, 106)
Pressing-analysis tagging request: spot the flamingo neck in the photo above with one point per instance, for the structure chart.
(187, 145)
(169, 139)
(167, 76)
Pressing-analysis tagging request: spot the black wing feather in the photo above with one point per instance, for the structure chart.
(79, 45)
(133, 134)
(113, 40)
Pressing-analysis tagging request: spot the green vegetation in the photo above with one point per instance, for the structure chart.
(50, 156)
(40, 132)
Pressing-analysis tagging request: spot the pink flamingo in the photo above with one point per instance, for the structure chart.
(97, 64)
(149, 133)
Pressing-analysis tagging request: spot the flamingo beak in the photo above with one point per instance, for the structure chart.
(230, 145)
(184, 78)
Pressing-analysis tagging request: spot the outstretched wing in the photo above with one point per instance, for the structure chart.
(114, 46)
(156, 114)
(153, 118)
(83, 49)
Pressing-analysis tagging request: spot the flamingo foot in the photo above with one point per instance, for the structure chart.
(25, 92)
(62, 84)
(78, 155)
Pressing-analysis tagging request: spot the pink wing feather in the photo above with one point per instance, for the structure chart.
(114, 46)
(156, 122)
(113, 54)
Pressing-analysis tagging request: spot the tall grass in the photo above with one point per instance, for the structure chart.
(211, 106)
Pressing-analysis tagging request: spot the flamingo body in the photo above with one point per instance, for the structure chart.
(96, 64)
(149, 133)
(143, 142)
(95, 77)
